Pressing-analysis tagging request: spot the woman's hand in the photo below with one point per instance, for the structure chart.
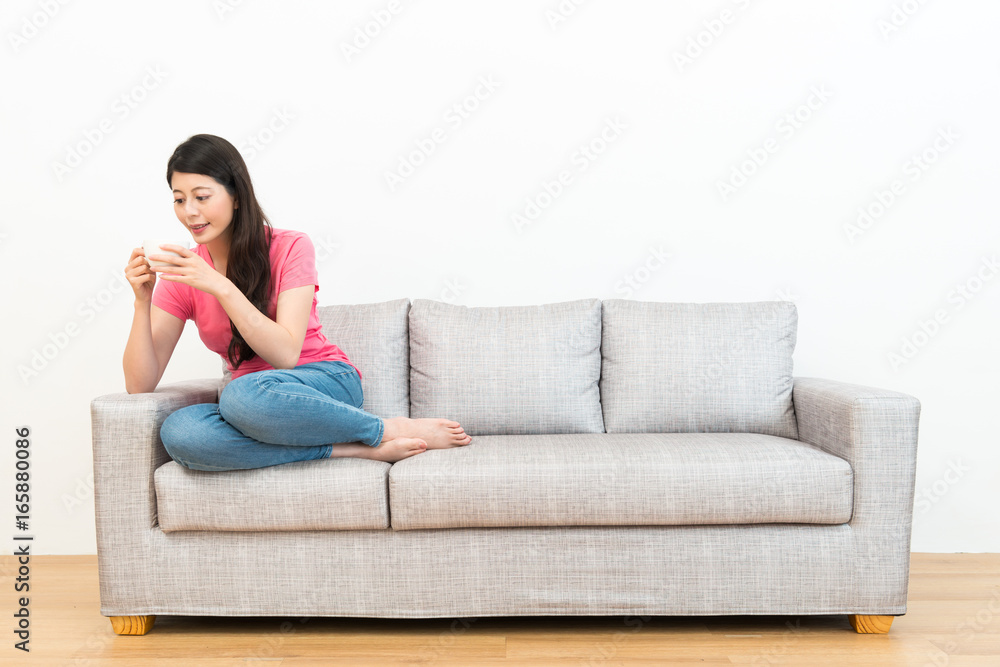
(190, 269)
(139, 275)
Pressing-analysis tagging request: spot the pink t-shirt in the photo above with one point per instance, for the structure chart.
(293, 264)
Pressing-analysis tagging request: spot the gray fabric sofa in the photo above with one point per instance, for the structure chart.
(633, 458)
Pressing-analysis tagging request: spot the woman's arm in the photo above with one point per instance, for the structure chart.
(279, 343)
(139, 361)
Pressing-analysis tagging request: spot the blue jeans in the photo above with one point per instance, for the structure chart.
(272, 417)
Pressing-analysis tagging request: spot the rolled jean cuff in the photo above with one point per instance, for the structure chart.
(381, 432)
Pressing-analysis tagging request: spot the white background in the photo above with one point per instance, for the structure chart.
(894, 76)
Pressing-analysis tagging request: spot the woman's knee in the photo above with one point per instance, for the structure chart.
(357, 391)
(172, 436)
(181, 435)
(236, 400)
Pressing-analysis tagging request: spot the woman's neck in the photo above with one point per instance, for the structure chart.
(219, 251)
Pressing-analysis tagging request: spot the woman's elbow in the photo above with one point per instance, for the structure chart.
(294, 360)
(287, 364)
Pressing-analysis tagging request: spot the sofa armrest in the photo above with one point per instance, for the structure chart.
(875, 430)
(127, 451)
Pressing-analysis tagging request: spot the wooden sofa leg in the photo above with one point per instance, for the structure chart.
(870, 624)
(132, 625)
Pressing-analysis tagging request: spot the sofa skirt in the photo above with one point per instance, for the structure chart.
(769, 569)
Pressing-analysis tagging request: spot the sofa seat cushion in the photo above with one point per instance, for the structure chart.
(621, 479)
(342, 493)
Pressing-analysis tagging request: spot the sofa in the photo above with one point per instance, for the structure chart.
(627, 458)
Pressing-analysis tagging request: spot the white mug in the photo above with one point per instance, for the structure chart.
(152, 247)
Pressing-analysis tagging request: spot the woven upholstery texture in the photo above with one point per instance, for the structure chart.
(342, 493)
(507, 370)
(816, 518)
(624, 479)
(697, 367)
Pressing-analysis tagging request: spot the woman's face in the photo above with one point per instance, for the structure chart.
(201, 200)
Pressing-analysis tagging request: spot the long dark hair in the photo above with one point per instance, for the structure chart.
(249, 262)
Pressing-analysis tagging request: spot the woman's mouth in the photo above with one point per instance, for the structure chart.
(199, 228)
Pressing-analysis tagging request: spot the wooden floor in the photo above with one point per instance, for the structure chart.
(953, 618)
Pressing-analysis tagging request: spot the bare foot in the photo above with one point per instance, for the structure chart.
(437, 433)
(389, 451)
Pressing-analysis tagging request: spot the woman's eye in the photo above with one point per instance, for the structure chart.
(177, 201)
(203, 198)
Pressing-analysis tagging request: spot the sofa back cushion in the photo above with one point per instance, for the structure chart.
(698, 367)
(507, 370)
(374, 337)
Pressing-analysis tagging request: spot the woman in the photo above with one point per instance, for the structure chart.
(250, 290)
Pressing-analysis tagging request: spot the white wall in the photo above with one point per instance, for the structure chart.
(332, 126)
